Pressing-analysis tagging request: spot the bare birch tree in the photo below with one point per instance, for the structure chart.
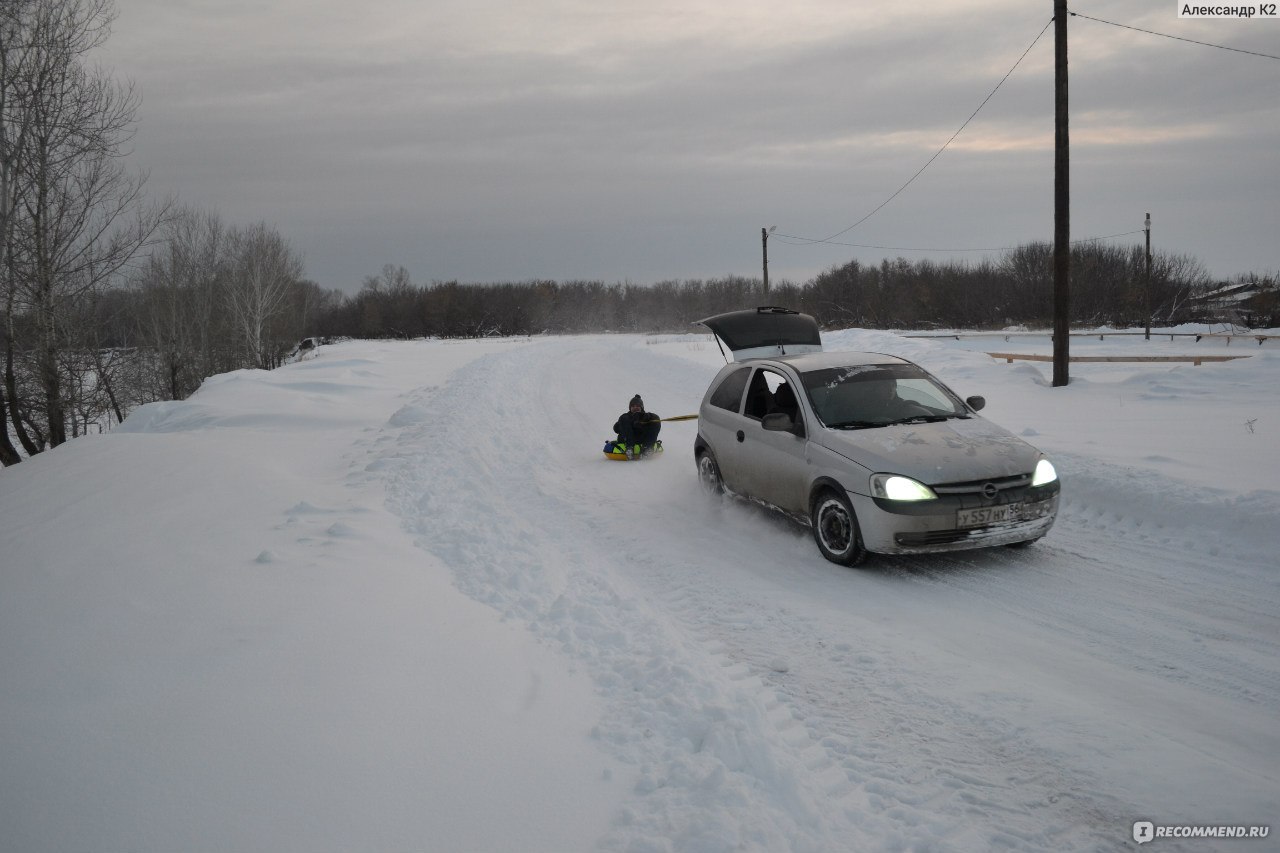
(21, 28)
(264, 273)
(179, 311)
(73, 214)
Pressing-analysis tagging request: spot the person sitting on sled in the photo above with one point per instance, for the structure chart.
(637, 429)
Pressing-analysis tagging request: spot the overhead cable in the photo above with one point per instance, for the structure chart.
(1175, 38)
(807, 241)
(940, 150)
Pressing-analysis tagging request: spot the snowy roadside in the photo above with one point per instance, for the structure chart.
(216, 638)
(393, 598)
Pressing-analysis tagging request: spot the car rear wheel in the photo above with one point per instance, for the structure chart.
(835, 529)
(709, 474)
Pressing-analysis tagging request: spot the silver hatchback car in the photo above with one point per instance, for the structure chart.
(870, 449)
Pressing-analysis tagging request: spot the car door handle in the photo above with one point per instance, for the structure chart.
(742, 436)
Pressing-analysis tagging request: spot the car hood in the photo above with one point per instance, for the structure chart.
(952, 451)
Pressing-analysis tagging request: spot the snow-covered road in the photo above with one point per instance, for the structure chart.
(1123, 669)
(393, 597)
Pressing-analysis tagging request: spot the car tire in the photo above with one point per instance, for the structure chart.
(709, 474)
(835, 529)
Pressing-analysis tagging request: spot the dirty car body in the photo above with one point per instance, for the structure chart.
(874, 452)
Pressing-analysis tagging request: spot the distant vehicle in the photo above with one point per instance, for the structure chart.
(877, 455)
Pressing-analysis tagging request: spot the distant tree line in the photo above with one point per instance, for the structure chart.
(1109, 285)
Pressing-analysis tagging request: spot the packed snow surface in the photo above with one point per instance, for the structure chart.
(392, 597)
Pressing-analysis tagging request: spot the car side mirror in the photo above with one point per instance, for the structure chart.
(976, 403)
(781, 422)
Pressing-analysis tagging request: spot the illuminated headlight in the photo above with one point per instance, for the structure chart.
(1045, 473)
(898, 488)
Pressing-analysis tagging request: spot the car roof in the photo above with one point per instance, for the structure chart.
(804, 362)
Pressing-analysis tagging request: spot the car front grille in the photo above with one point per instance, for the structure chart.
(980, 487)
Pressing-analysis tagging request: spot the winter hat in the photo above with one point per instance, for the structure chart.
(636, 401)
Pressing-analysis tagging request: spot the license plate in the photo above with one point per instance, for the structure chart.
(986, 515)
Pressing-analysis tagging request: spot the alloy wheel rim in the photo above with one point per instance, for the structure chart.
(835, 527)
(710, 477)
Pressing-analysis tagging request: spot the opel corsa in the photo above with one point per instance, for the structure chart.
(877, 455)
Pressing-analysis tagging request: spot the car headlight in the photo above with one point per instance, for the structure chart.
(895, 487)
(1045, 473)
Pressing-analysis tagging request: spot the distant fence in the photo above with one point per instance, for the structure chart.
(1008, 336)
(1194, 359)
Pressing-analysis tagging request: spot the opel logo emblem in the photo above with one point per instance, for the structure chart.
(989, 490)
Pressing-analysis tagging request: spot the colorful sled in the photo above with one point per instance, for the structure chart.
(617, 452)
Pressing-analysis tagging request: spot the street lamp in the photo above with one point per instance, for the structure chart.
(764, 244)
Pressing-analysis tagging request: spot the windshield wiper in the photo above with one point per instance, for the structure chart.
(855, 425)
(921, 419)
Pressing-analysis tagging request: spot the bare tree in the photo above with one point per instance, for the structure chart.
(21, 27)
(264, 272)
(77, 216)
(179, 314)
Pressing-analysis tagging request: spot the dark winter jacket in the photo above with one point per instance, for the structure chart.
(638, 428)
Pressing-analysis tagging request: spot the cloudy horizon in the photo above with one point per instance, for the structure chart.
(494, 141)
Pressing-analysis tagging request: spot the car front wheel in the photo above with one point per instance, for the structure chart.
(835, 529)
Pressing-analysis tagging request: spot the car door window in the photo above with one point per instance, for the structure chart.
(760, 393)
(785, 402)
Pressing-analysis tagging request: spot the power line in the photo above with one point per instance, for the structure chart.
(794, 240)
(940, 150)
(804, 241)
(1175, 38)
(1108, 237)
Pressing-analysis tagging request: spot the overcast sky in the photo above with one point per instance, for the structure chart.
(505, 140)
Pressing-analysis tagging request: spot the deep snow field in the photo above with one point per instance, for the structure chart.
(393, 598)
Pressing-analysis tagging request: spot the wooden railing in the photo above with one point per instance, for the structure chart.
(1194, 359)
(1008, 336)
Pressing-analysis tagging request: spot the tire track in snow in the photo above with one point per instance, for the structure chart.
(718, 767)
(629, 570)
(1186, 606)
(866, 718)
(1100, 616)
(922, 766)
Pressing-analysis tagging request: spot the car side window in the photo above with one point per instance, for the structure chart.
(729, 394)
(785, 402)
(760, 396)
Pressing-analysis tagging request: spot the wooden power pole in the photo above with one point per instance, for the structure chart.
(1146, 277)
(1061, 203)
(764, 247)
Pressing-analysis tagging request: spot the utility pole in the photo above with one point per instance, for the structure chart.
(1061, 203)
(764, 244)
(1147, 277)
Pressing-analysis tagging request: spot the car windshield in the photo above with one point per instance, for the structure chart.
(877, 395)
